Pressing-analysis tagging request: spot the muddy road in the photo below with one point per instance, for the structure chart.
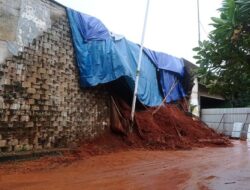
(200, 168)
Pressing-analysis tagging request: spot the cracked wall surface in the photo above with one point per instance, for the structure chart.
(23, 20)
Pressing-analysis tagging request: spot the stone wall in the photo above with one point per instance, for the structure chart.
(41, 103)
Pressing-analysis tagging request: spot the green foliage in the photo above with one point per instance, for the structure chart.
(224, 58)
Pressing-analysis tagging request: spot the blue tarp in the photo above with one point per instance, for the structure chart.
(171, 71)
(102, 58)
(89, 28)
(170, 82)
(102, 61)
(166, 62)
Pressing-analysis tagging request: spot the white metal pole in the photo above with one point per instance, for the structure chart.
(139, 63)
(198, 20)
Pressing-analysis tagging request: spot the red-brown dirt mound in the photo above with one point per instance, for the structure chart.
(166, 128)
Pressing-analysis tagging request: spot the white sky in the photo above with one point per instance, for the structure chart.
(171, 27)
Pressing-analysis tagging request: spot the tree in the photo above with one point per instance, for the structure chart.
(224, 58)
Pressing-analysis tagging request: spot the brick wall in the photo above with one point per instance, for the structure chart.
(41, 104)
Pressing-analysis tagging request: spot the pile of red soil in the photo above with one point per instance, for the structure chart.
(172, 128)
(167, 128)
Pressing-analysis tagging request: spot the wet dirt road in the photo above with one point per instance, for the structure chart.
(201, 168)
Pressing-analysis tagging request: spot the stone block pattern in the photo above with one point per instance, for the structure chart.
(41, 103)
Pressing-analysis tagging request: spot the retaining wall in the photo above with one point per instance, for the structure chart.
(41, 103)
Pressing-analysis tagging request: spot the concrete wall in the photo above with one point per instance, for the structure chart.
(194, 100)
(222, 120)
(41, 103)
(23, 20)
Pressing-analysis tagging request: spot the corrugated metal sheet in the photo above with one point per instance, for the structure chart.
(223, 119)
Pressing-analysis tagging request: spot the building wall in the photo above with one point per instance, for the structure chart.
(41, 103)
(194, 100)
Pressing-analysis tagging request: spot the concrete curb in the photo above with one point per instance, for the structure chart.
(30, 155)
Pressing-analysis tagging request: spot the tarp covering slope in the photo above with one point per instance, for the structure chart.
(171, 86)
(103, 60)
(171, 71)
(90, 28)
(165, 61)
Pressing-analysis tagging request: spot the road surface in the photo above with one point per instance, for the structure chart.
(199, 168)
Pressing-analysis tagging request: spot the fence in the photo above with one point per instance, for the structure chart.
(225, 120)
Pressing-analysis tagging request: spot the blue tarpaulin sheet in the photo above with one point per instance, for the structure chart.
(89, 28)
(103, 60)
(166, 62)
(171, 71)
(171, 86)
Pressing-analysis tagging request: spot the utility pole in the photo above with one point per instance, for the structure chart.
(139, 64)
(198, 20)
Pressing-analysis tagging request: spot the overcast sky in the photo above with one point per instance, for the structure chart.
(172, 24)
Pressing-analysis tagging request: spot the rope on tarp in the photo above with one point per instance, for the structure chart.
(116, 107)
(164, 100)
